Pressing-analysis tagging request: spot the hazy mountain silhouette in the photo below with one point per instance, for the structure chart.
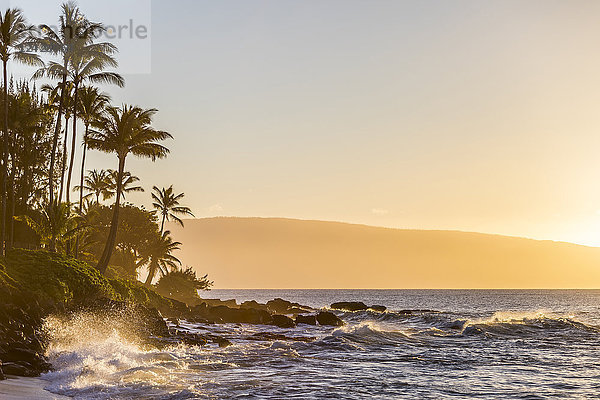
(288, 253)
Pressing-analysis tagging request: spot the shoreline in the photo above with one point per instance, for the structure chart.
(19, 388)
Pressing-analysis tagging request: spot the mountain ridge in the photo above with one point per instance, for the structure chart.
(252, 252)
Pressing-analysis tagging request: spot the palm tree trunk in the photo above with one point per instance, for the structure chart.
(73, 142)
(162, 224)
(85, 136)
(11, 201)
(64, 161)
(53, 154)
(4, 161)
(151, 273)
(55, 144)
(112, 235)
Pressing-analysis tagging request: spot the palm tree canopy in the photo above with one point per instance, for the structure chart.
(127, 130)
(16, 37)
(158, 255)
(128, 184)
(166, 203)
(92, 103)
(95, 183)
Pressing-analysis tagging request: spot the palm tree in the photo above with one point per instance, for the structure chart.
(123, 131)
(167, 205)
(95, 183)
(15, 36)
(91, 106)
(89, 65)
(75, 35)
(56, 225)
(158, 255)
(127, 185)
(67, 101)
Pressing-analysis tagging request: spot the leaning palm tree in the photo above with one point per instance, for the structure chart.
(95, 184)
(91, 106)
(123, 131)
(166, 203)
(89, 65)
(128, 184)
(15, 37)
(158, 256)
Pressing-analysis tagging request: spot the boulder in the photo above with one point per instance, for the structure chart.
(349, 306)
(329, 318)
(218, 302)
(21, 368)
(281, 306)
(378, 308)
(253, 304)
(283, 321)
(238, 315)
(306, 319)
(222, 342)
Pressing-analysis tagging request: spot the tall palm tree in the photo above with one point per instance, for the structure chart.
(91, 106)
(67, 101)
(128, 184)
(158, 256)
(89, 65)
(123, 131)
(75, 34)
(15, 36)
(166, 203)
(95, 183)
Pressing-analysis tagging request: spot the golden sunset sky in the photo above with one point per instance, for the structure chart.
(469, 115)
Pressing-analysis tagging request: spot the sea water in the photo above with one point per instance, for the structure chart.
(430, 344)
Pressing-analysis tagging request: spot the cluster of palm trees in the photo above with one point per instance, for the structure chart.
(78, 61)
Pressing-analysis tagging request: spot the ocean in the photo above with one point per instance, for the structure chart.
(429, 344)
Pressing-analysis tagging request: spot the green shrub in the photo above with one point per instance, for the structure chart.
(55, 279)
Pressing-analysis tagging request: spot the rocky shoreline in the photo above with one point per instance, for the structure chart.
(35, 285)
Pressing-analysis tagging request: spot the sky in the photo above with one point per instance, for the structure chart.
(463, 115)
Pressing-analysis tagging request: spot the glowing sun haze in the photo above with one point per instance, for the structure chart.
(468, 115)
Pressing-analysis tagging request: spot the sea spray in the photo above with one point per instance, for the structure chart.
(97, 355)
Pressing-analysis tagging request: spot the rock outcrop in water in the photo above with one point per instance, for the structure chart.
(355, 306)
(36, 284)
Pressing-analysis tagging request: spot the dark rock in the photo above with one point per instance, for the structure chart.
(238, 315)
(222, 342)
(174, 321)
(306, 319)
(21, 368)
(218, 302)
(283, 321)
(191, 339)
(19, 354)
(349, 306)
(253, 304)
(378, 308)
(281, 306)
(278, 305)
(329, 318)
(271, 336)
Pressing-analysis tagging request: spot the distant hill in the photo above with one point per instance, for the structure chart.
(288, 253)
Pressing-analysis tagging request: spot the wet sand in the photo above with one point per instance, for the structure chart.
(16, 388)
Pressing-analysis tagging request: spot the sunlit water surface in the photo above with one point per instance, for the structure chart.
(490, 344)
